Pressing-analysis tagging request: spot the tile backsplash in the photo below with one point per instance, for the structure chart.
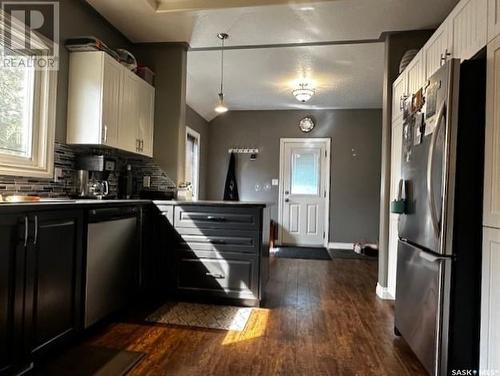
(65, 158)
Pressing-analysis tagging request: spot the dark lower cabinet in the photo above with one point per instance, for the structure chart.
(40, 284)
(53, 283)
(214, 252)
(12, 262)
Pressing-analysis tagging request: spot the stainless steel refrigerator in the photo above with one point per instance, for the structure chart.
(437, 309)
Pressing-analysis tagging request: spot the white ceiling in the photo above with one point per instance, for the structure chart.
(348, 76)
(297, 22)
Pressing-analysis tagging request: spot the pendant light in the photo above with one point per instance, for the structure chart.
(221, 107)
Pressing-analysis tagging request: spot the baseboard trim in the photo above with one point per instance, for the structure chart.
(383, 293)
(341, 246)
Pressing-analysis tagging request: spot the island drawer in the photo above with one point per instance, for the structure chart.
(229, 277)
(220, 241)
(217, 217)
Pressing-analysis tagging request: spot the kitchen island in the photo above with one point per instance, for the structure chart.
(216, 250)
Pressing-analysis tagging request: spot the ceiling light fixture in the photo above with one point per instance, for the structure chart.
(303, 93)
(221, 107)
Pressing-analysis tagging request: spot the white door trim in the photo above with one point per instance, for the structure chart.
(191, 132)
(328, 143)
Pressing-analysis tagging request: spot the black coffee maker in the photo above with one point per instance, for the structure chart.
(92, 176)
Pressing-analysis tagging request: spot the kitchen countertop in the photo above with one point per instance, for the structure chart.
(68, 203)
(213, 203)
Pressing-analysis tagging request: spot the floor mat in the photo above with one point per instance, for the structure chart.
(302, 253)
(91, 361)
(349, 254)
(202, 316)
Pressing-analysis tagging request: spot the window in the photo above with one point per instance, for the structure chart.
(27, 117)
(192, 169)
(305, 172)
(16, 111)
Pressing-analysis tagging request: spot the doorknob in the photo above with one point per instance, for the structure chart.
(287, 200)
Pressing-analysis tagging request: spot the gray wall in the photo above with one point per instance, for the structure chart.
(168, 61)
(396, 44)
(77, 18)
(355, 181)
(200, 125)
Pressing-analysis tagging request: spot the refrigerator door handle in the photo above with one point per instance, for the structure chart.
(431, 258)
(430, 169)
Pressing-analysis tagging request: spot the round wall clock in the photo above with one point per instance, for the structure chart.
(306, 125)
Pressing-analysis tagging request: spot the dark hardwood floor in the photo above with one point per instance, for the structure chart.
(319, 318)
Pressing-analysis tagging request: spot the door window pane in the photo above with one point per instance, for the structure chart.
(16, 111)
(305, 173)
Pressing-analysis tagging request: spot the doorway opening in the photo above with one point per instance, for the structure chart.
(304, 192)
(192, 168)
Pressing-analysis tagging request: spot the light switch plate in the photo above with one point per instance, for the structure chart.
(275, 182)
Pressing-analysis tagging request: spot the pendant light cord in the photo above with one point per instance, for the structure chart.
(222, 69)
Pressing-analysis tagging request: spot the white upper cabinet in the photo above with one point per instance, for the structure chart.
(92, 99)
(146, 118)
(468, 23)
(437, 49)
(136, 130)
(462, 35)
(109, 105)
(399, 93)
(493, 19)
(112, 78)
(491, 212)
(129, 119)
(416, 74)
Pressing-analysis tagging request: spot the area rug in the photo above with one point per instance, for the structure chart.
(202, 316)
(302, 253)
(349, 254)
(90, 361)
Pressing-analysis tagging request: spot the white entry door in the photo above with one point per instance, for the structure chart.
(304, 191)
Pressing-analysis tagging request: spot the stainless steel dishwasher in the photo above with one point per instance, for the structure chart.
(113, 261)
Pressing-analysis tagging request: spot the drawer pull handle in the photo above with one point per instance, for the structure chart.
(218, 241)
(215, 219)
(215, 275)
